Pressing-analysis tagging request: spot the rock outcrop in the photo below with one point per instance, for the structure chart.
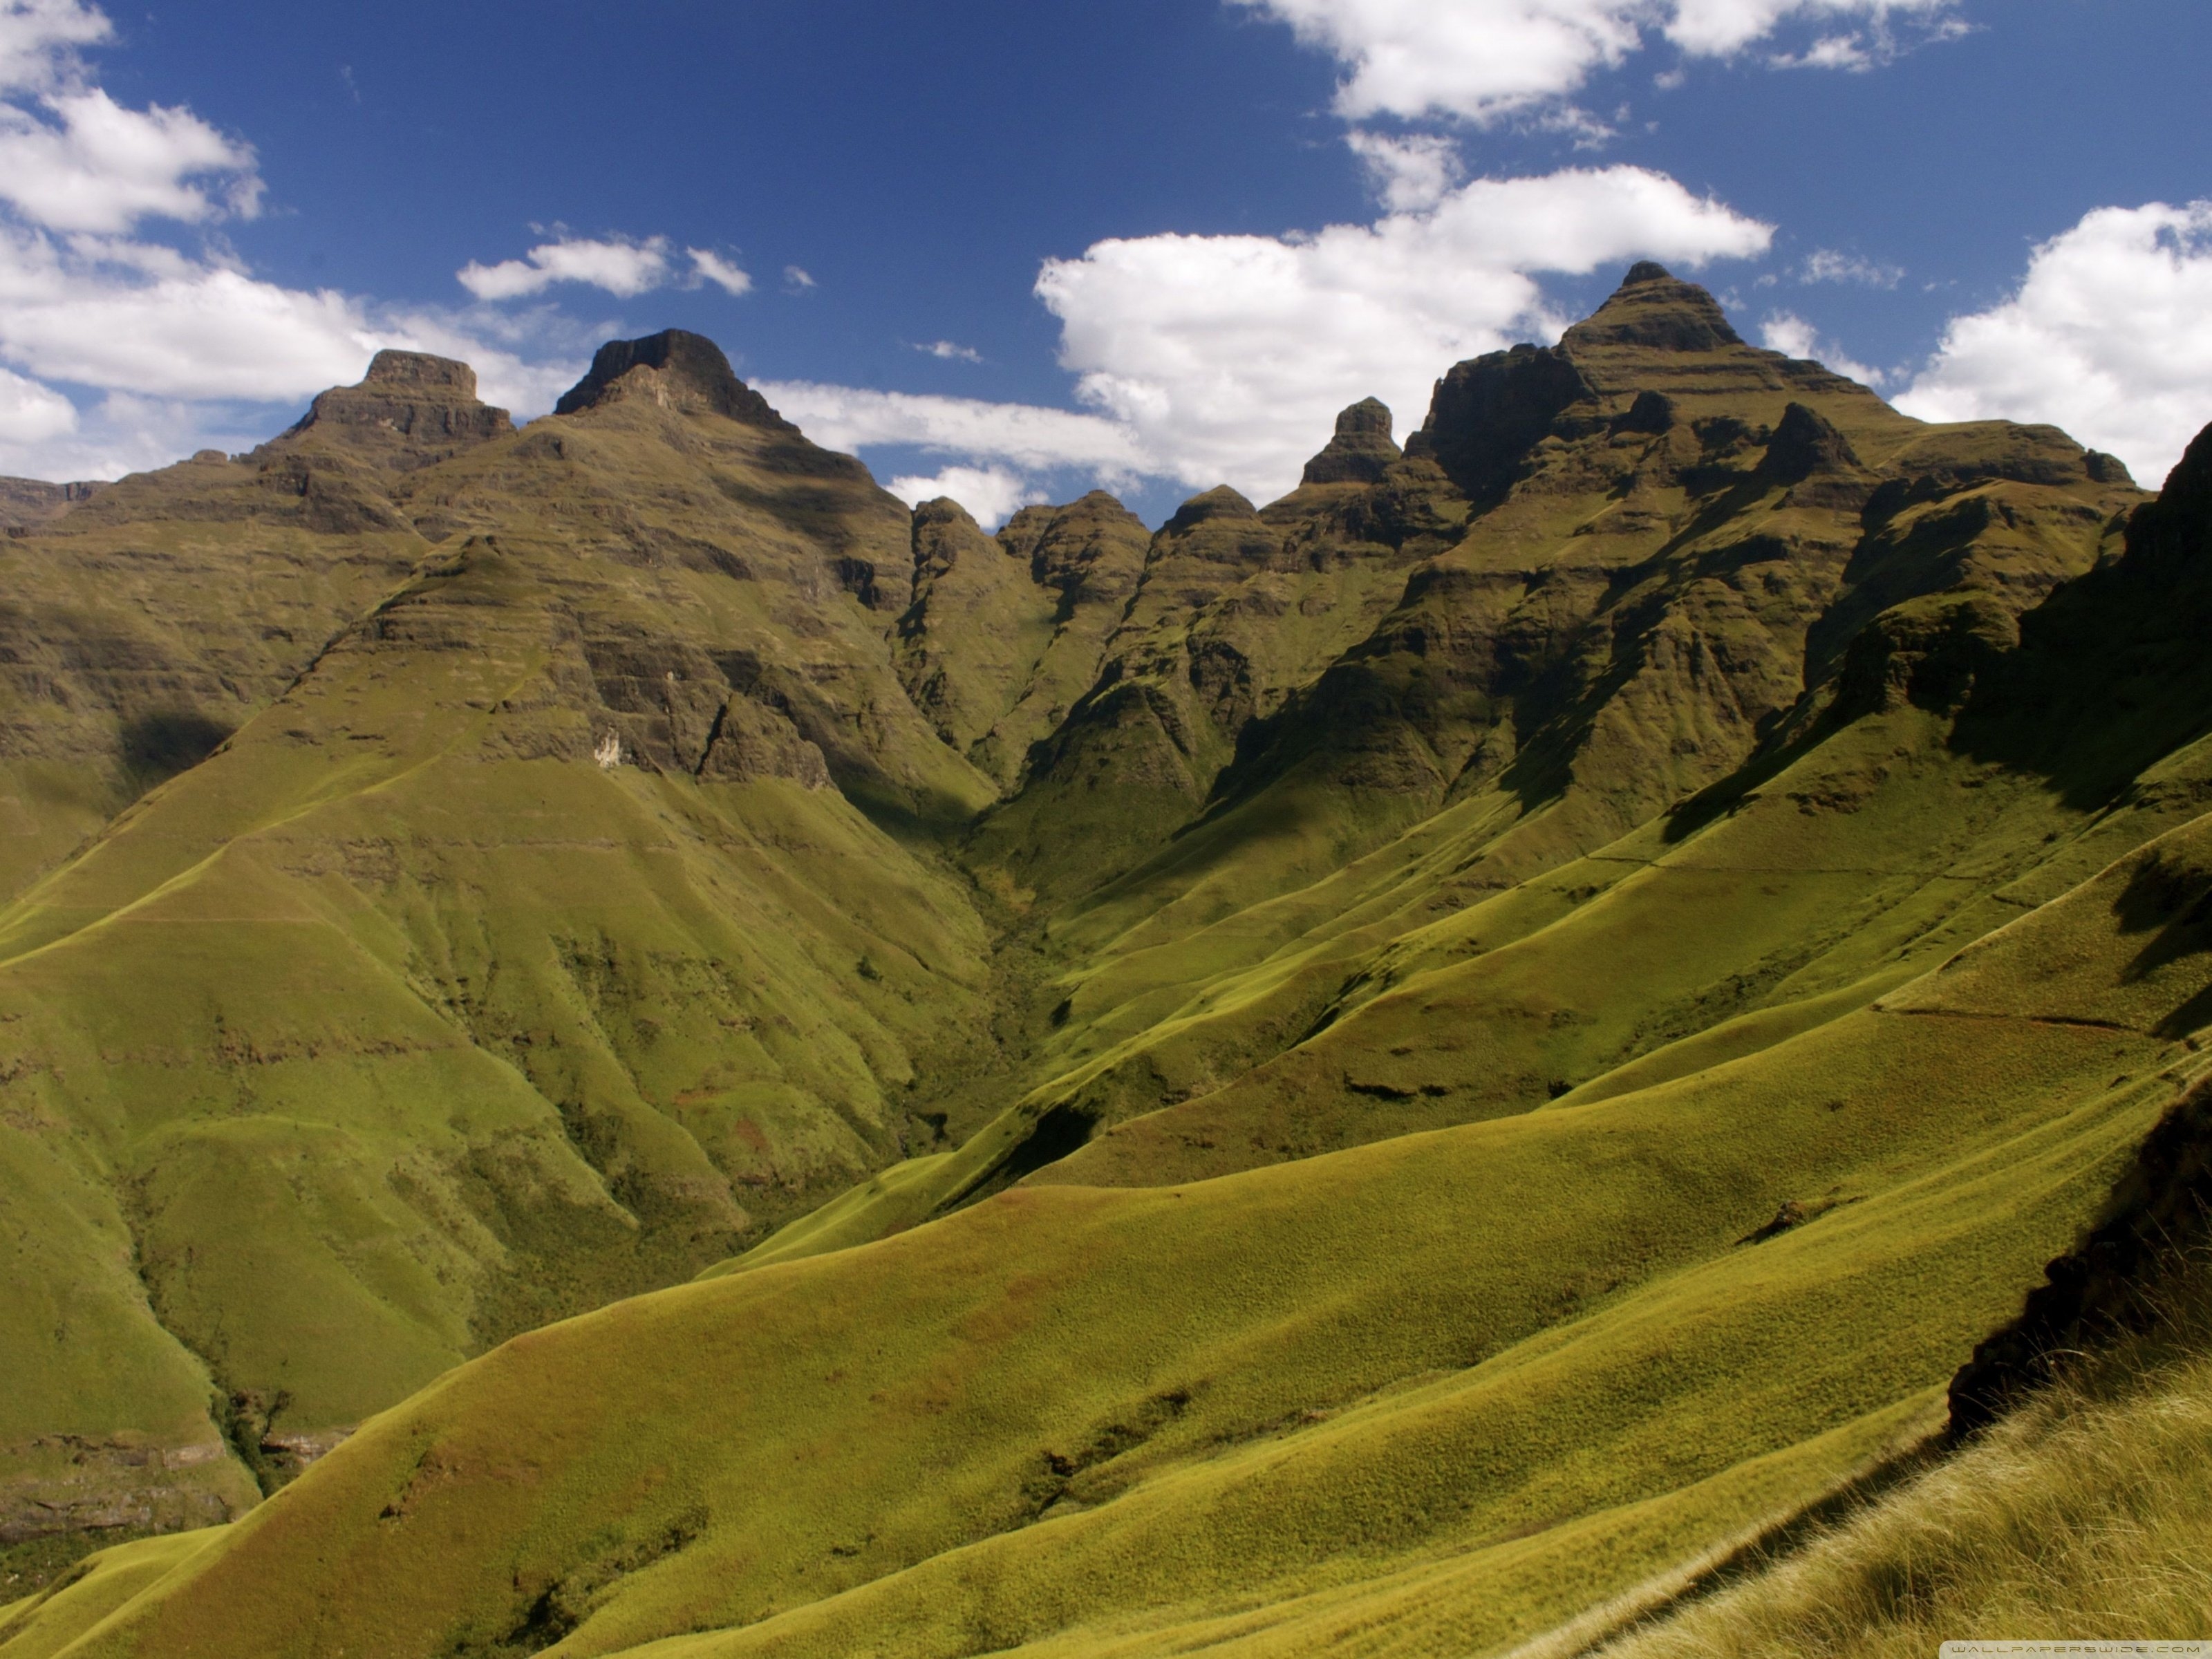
(27, 501)
(1362, 450)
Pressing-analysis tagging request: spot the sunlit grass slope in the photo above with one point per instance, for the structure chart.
(2085, 1517)
(1441, 1391)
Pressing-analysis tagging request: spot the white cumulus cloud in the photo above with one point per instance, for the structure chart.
(951, 352)
(1720, 27)
(710, 267)
(31, 414)
(1484, 59)
(2109, 336)
(991, 493)
(39, 38)
(1791, 335)
(83, 162)
(1227, 356)
(183, 329)
(623, 267)
(1410, 172)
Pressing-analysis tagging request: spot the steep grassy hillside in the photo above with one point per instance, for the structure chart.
(1463, 1038)
(513, 954)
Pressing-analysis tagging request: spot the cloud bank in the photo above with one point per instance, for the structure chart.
(1026, 435)
(2109, 336)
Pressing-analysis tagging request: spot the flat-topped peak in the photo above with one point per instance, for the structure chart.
(1362, 450)
(410, 410)
(675, 368)
(420, 371)
(1656, 310)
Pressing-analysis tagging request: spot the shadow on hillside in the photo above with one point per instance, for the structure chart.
(157, 747)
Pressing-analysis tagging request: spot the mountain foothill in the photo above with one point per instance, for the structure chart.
(611, 1040)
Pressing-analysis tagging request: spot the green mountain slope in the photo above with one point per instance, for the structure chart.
(513, 955)
(1445, 1389)
(1462, 1037)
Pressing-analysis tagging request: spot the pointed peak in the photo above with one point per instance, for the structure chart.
(679, 370)
(1362, 450)
(1655, 310)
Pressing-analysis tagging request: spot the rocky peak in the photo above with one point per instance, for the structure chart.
(1656, 310)
(942, 509)
(419, 371)
(1362, 450)
(1094, 545)
(942, 529)
(409, 410)
(1220, 502)
(678, 370)
(1804, 445)
(1489, 412)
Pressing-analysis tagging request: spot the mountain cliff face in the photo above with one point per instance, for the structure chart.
(1470, 970)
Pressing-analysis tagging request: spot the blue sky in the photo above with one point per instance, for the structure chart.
(1153, 244)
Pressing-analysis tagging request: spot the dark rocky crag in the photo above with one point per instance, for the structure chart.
(676, 369)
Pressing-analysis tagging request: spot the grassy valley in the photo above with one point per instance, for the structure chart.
(611, 1043)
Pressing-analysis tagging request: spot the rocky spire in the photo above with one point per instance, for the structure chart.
(676, 369)
(1362, 449)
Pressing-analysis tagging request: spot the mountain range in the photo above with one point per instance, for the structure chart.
(611, 1040)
